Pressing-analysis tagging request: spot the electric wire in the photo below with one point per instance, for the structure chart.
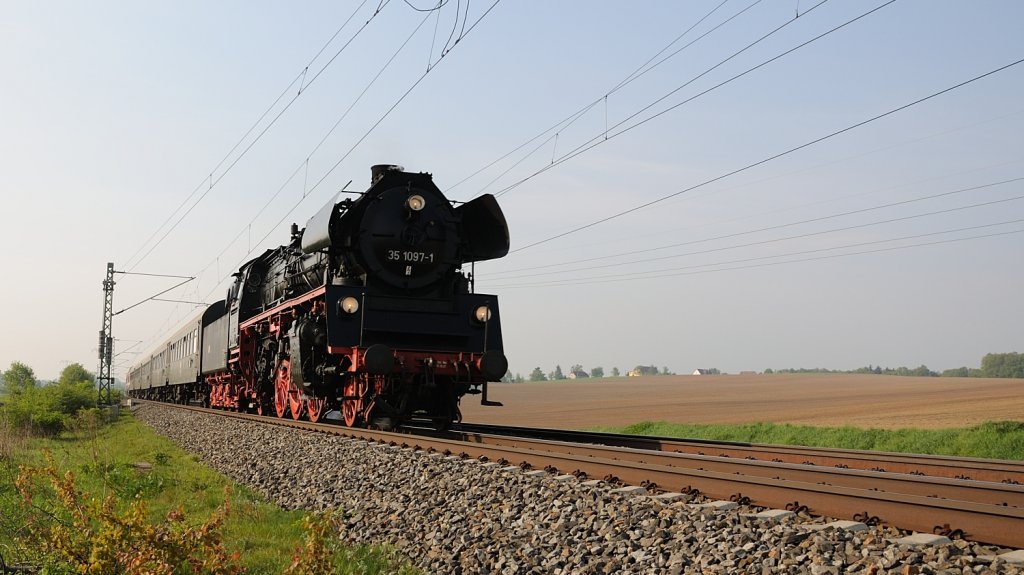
(776, 240)
(395, 105)
(259, 136)
(455, 24)
(316, 148)
(675, 272)
(571, 118)
(275, 227)
(643, 69)
(858, 155)
(774, 156)
(502, 274)
(199, 186)
(306, 193)
(288, 88)
(434, 9)
(605, 99)
(177, 285)
(465, 17)
(605, 136)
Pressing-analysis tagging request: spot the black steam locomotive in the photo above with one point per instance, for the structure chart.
(368, 310)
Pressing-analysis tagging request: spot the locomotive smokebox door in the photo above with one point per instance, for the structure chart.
(405, 248)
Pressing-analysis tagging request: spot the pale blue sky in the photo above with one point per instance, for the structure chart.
(112, 113)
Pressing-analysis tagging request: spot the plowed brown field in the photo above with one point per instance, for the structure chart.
(812, 399)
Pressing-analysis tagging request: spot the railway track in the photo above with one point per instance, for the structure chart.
(928, 497)
(992, 470)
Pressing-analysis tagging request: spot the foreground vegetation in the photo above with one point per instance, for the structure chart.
(995, 440)
(81, 493)
(117, 498)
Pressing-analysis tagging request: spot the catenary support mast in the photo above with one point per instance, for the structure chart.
(106, 341)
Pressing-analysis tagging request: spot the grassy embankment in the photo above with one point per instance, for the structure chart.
(104, 462)
(995, 440)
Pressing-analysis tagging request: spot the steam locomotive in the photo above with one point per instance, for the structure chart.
(368, 310)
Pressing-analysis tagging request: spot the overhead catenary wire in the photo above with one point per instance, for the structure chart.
(774, 156)
(305, 163)
(214, 181)
(395, 105)
(674, 272)
(644, 69)
(434, 9)
(152, 275)
(455, 24)
(465, 17)
(150, 298)
(298, 78)
(308, 194)
(632, 76)
(802, 169)
(505, 273)
(247, 228)
(604, 135)
(304, 188)
(779, 239)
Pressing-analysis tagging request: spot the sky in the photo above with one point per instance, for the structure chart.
(740, 184)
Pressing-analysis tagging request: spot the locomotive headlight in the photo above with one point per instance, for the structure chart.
(349, 305)
(415, 202)
(482, 314)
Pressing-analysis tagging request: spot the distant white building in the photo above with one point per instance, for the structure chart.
(643, 370)
(701, 371)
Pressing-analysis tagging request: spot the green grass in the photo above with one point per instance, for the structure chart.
(104, 462)
(995, 440)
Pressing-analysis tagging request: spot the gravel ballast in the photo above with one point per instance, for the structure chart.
(461, 516)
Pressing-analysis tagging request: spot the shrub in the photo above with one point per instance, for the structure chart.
(322, 553)
(50, 409)
(107, 536)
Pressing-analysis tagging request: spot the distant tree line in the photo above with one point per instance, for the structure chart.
(992, 365)
(578, 372)
(575, 371)
(920, 371)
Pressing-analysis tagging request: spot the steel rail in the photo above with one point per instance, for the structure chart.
(927, 486)
(979, 469)
(983, 522)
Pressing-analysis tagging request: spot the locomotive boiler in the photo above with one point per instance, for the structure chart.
(369, 310)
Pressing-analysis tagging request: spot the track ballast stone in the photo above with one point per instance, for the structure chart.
(452, 516)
